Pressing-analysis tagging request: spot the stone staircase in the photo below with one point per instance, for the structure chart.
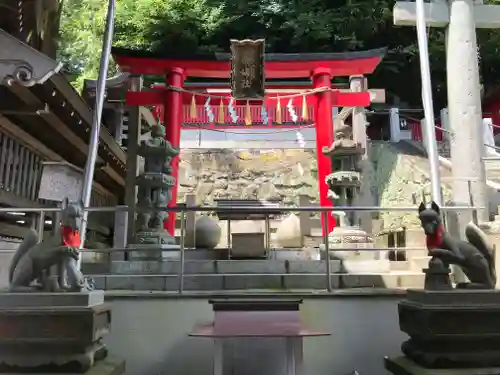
(239, 275)
(303, 273)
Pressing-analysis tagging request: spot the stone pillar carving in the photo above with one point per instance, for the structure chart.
(363, 195)
(155, 186)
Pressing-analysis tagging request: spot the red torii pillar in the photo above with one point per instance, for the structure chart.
(322, 78)
(172, 120)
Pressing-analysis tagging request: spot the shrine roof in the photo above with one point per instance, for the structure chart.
(278, 65)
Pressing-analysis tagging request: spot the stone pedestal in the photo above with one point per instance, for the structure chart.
(451, 329)
(52, 332)
(405, 366)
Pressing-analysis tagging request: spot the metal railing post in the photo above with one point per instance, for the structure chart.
(181, 260)
(267, 234)
(327, 253)
(471, 202)
(41, 225)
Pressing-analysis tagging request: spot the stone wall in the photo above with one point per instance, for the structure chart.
(283, 175)
(276, 175)
(399, 175)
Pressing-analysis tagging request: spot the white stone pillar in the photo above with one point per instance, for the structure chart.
(395, 127)
(465, 108)
(423, 131)
(445, 123)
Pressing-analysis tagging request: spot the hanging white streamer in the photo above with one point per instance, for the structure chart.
(264, 115)
(291, 111)
(232, 111)
(300, 168)
(208, 110)
(300, 139)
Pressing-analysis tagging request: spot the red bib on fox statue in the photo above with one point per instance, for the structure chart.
(70, 237)
(436, 240)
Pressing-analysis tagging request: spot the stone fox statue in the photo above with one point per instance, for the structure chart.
(474, 256)
(33, 259)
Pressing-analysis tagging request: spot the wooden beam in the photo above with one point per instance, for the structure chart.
(59, 126)
(377, 96)
(37, 147)
(55, 122)
(86, 114)
(148, 116)
(147, 98)
(10, 199)
(27, 140)
(437, 14)
(12, 230)
(113, 174)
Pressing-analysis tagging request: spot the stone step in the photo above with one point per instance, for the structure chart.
(419, 263)
(172, 267)
(221, 267)
(400, 266)
(214, 282)
(414, 238)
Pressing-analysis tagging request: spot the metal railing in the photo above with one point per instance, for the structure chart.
(182, 210)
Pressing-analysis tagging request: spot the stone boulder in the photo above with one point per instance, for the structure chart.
(207, 234)
(289, 233)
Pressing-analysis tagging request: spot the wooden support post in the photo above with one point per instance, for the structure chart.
(134, 133)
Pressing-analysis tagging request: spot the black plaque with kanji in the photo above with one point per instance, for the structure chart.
(247, 69)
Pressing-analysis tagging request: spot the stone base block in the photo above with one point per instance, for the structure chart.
(152, 252)
(54, 338)
(405, 366)
(452, 328)
(52, 300)
(105, 367)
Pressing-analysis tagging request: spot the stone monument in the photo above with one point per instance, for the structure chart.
(451, 329)
(154, 191)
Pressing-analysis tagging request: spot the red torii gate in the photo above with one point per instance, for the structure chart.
(320, 67)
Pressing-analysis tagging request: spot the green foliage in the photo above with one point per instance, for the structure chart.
(287, 26)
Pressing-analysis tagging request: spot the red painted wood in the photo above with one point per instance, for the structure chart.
(324, 138)
(339, 98)
(492, 110)
(221, 69)
(416, 131)
(172, 112)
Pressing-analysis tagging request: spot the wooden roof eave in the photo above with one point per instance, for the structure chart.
(60, 128)
(30, 99)
(84, 111)
(22, 67)
(21, 63)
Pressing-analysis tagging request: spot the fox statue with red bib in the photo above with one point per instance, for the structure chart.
(30, 266)
(474, 256)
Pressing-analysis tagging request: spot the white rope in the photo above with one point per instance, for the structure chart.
(277, 97)
(294, 129)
